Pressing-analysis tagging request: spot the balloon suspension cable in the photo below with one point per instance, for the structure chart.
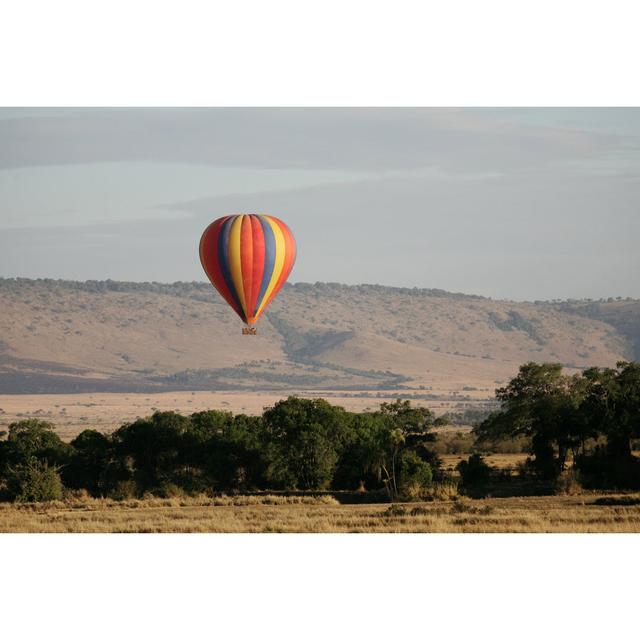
(249, 331)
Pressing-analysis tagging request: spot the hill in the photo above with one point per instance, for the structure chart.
(62, 336)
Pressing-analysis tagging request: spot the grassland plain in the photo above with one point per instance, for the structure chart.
(585, 513)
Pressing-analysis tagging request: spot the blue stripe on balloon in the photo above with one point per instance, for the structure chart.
(269, 259)
(223, 259)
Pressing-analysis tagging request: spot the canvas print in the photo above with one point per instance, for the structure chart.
(319, 320)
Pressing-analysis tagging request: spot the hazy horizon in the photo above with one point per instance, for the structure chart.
(519, 204)
(205, 282)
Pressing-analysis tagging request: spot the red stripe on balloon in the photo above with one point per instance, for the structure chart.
(257, 235)
(246, 262)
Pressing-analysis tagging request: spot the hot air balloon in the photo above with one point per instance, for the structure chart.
(247, 258)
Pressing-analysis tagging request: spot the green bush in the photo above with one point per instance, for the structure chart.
(599, 469)
(475, 473)
(414, 471)
(34, 481)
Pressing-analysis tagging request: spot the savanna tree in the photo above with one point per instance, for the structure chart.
(541, 403)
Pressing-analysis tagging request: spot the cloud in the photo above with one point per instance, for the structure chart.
(468, 140)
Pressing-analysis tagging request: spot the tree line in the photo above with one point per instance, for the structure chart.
(581, 425)
(584, 423)
(298, 444)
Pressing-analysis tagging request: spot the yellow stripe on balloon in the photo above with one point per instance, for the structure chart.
(279, 261)
(235, 265)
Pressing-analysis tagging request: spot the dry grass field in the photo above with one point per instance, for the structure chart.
(496, 460)
(323, 514)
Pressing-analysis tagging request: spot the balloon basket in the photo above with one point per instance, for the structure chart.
(249, 331)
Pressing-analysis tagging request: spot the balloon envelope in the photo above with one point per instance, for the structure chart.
(248, 258)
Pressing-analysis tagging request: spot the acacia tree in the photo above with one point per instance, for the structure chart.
(541, 403)
(154, 445)
(365, 454)
(92, 459)
(612, 405)
(207, 457)
(35, 438)
(612, 408)
(404, 445)
(303, 442)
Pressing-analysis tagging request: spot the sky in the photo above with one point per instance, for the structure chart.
(510, 203)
